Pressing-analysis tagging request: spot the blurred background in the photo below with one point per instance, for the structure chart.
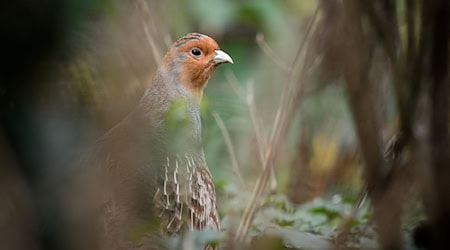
(327, 103)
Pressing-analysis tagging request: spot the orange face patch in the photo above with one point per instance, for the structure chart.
(197, 64)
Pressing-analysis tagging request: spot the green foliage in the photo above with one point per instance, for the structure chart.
(318, 221)
(140, 231)
(320, 216)
(194, 240)
(180, 121)
(178, 118)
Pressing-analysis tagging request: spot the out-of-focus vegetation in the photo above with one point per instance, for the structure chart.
(316, 90)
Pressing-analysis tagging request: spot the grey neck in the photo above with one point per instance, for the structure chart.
(156, 104)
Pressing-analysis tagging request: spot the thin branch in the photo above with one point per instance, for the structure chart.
(261, 141)
(269, 52)
(230, 147)
(279, 131)
(155, 51)
(234, 84)
(249, 100)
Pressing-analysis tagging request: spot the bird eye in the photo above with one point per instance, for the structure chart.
(196, 52)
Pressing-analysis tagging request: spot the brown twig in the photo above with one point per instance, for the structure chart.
(248, 98)
(230, 147)
(260, 138)
(156, 52)
(279, 131)
(269, 52)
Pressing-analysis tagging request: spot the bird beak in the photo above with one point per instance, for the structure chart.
(222, 57)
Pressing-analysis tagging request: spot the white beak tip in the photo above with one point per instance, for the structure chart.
(222, 57)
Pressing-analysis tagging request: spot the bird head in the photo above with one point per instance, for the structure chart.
(193, 59)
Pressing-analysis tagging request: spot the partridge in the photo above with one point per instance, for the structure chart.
(157, 149)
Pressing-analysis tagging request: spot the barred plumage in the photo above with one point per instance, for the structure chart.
(187, 194)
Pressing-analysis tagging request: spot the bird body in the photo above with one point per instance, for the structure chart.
(158, 148)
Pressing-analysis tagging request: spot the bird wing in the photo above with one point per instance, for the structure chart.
(185, 197)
